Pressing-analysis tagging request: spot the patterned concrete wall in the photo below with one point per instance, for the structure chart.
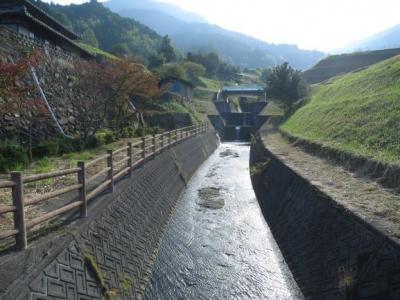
(332, 253)
(110, 255)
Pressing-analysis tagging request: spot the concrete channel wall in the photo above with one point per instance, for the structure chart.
(110, 254)
(331, 252)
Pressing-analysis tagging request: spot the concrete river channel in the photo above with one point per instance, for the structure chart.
(218, 244)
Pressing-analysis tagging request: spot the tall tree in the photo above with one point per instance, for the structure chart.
(286, 85)
(167, 50)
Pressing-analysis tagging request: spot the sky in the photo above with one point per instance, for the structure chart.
(311, 24)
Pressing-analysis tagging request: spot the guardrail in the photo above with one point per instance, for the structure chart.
(120, 163)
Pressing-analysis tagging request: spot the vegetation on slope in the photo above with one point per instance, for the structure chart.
(359, 113)
(101, 28)
(344, 63)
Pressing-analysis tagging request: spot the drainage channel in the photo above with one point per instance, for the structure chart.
(218, 245)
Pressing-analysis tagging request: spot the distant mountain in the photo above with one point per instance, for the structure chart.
(387, 39)
(188, 34)
(172, 10)
(98, 26)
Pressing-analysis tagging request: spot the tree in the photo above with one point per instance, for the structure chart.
(286, 85)
(88, 37)
(108, 89)
(193, 69)
(167, 50)
(171, 70)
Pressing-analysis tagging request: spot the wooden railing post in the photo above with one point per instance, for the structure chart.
(130, 160)
(154, 143)
(82, 189)
(169, 139)
(176, 135)
(110, 164)
(143, 147)
(19, 215)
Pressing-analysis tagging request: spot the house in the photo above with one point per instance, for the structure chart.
(178, 87)
(30, 21)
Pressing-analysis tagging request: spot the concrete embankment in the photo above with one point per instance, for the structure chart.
(332, 252)
(110, 254)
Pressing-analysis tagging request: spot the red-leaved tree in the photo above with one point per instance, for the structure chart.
(109, 88)
(17, 97)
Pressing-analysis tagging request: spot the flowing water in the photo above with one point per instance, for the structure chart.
(218, 245)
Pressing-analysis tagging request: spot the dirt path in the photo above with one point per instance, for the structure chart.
(375, 205)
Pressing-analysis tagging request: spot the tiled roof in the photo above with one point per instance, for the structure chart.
(12, 11)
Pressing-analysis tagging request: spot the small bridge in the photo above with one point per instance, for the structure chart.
(241, 90)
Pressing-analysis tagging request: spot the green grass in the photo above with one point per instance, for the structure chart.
(344, 63)
(97, 51)
(211, 84)
(273, 109)
(175, 107)
(358, 112)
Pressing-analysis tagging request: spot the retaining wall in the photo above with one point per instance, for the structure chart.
(110, 254)
(332, 253)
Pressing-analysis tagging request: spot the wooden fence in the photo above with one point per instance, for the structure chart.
(120, 163)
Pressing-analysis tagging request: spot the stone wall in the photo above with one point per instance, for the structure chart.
(55, 73)
(111, 253)
(332, 253)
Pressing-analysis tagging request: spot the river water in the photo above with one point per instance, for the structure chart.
(218, 245)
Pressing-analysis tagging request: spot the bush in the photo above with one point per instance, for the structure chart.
(139, 132)
(95, 141)
(67, 145)
(47, 148)
(148, 130)
(105, 137)
(127, 132)
(12, 156)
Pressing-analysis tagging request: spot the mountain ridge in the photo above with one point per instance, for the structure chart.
(234, 47)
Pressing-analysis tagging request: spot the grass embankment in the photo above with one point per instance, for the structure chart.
(97, 52)
(358, 113)
(335, 65)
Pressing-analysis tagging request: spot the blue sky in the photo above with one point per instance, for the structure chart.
(311, 24)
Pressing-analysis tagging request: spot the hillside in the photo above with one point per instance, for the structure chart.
(344, 63)
(99, 27)
(359, 112)
(233, 47)
(387, 39)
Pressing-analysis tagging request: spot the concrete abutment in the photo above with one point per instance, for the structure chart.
(332, 253)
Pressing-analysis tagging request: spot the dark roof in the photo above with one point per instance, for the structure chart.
(20, 14)
(243, 88)
(172, 78)
(39, 14)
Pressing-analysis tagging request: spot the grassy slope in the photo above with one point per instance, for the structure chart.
(359, 112)
(97, 51)
(344, 63)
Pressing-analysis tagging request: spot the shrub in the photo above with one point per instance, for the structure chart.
(47, 148)
(12, 156)
(127, 132)
(139, 131)
(109, 138)
(94, 141)
(67, 145)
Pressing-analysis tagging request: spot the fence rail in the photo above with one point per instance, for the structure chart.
(119, 163)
